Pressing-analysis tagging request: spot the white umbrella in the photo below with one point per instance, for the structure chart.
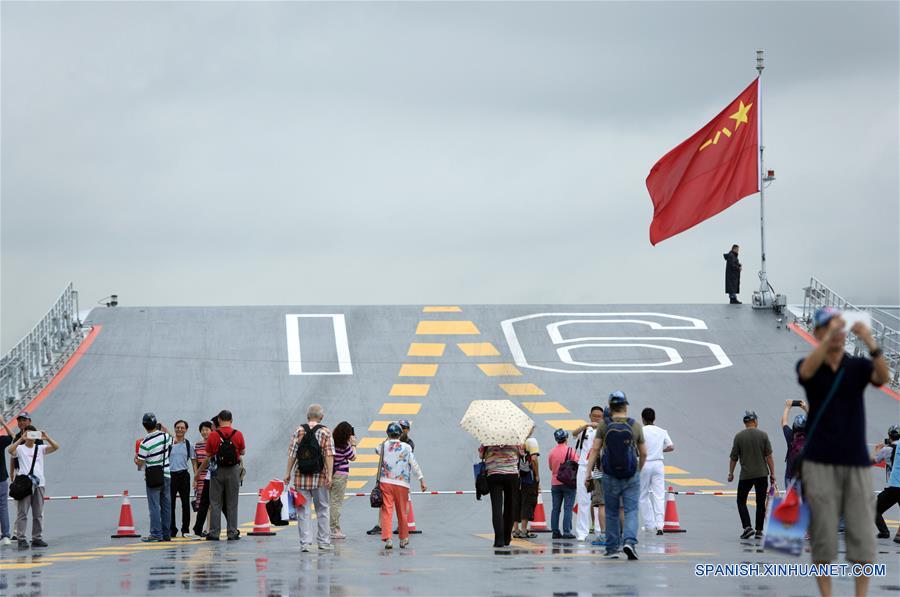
(497, 423)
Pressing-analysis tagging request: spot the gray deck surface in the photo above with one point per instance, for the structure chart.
(190, 362)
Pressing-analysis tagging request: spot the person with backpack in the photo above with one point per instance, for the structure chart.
(181, 463)
(397, 467)
(620, 439)
(226, 447)
(530, 487)
(28, 486)
(794, 436)
(890, 495)
(835, 459)
(563, 463)
(153, 458)
(312, 455)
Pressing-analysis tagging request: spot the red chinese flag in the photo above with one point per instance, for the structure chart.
(714, 169)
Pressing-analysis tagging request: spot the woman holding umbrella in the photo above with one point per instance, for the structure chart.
(501, 427)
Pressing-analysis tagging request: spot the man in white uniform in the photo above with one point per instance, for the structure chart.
(584, 439)
(653, 480)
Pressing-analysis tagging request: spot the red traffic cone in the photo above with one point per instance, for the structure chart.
(539, 524)
(126, 520)
(411, 519)
(671, 523)
(261, 525)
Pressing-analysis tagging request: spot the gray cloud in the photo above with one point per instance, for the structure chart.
(228, 153)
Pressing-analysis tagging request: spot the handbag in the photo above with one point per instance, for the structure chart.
(567, 473)
(23, 485)
(376, 498)
(481, 477)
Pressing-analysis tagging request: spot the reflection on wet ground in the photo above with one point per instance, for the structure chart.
(449, 563)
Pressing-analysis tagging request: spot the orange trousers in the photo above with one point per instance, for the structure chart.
(396, 497)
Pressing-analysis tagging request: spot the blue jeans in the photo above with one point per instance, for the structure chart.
(159, 502)
(4, 507)
(616, 493)
(560, 493)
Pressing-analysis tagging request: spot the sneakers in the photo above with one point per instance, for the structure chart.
(304, 548)
(404, 543)
(557, 535)
(659, 532)
(326, 547)
(759, 534)
(152, 539)
(748, 532)
(611, 555)
(187, 535)
(630, 551)
(23, 544)
(896, 538)
(5, 541)
(375, 530)
(338, 535)
(38, 543)
(208, 538)
(388, 544)
(884, 535)
(600, 540)
(568, 536)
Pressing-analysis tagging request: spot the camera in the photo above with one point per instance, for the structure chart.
(33, 435)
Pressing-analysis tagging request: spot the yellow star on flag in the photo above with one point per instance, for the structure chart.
(741, 115)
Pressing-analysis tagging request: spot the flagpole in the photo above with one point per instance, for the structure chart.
(763, 299)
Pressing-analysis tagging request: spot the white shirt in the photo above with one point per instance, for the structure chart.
(655, 439)
(589, 434)
(25, 454)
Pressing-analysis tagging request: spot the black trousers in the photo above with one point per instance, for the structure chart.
(202, 509)
(181, 486)
(760, 484)
(504, 506)
(885, 501)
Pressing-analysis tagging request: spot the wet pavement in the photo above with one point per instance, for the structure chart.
(453, 556)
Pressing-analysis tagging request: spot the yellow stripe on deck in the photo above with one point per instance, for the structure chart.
(567, 424)
(356, 484)
(370, 442)
(418, 370)
(424, 349)
(522, 389)
(674, 470)
(410, 389)
(546, 408)
(369, 457)
(448, 309)
(479, 349)
(363, 472)
(398, 408)
(694, 482)
(499, 369)
(437, 327)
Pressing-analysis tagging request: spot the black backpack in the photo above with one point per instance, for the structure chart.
(227, 454)
(310, 459)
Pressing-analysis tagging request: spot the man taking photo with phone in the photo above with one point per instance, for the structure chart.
(835, 461)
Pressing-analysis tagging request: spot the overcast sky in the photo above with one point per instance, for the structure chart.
(312, 153)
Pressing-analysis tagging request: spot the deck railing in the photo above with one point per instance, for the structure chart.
(818, 295)
(31, 364)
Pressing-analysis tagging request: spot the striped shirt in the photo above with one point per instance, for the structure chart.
(501, 460)
(154, 450)
(342, 458)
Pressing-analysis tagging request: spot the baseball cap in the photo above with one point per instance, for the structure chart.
(404, 424)
(617, 397)
(149, 420)
(799, 422)
(24, 415)
(393, 430)
(749, 415)
(823, 315)
(560, 435)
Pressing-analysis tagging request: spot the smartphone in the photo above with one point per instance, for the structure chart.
(797, 403)
(33, 435)
(851, 317)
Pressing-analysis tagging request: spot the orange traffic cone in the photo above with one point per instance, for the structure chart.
(411, 519)
(262, 525)
(671, 523)
(539, 524)
(126, 520)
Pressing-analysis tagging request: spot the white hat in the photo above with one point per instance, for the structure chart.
(531, 445)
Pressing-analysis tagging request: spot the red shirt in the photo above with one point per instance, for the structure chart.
(215, 440)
